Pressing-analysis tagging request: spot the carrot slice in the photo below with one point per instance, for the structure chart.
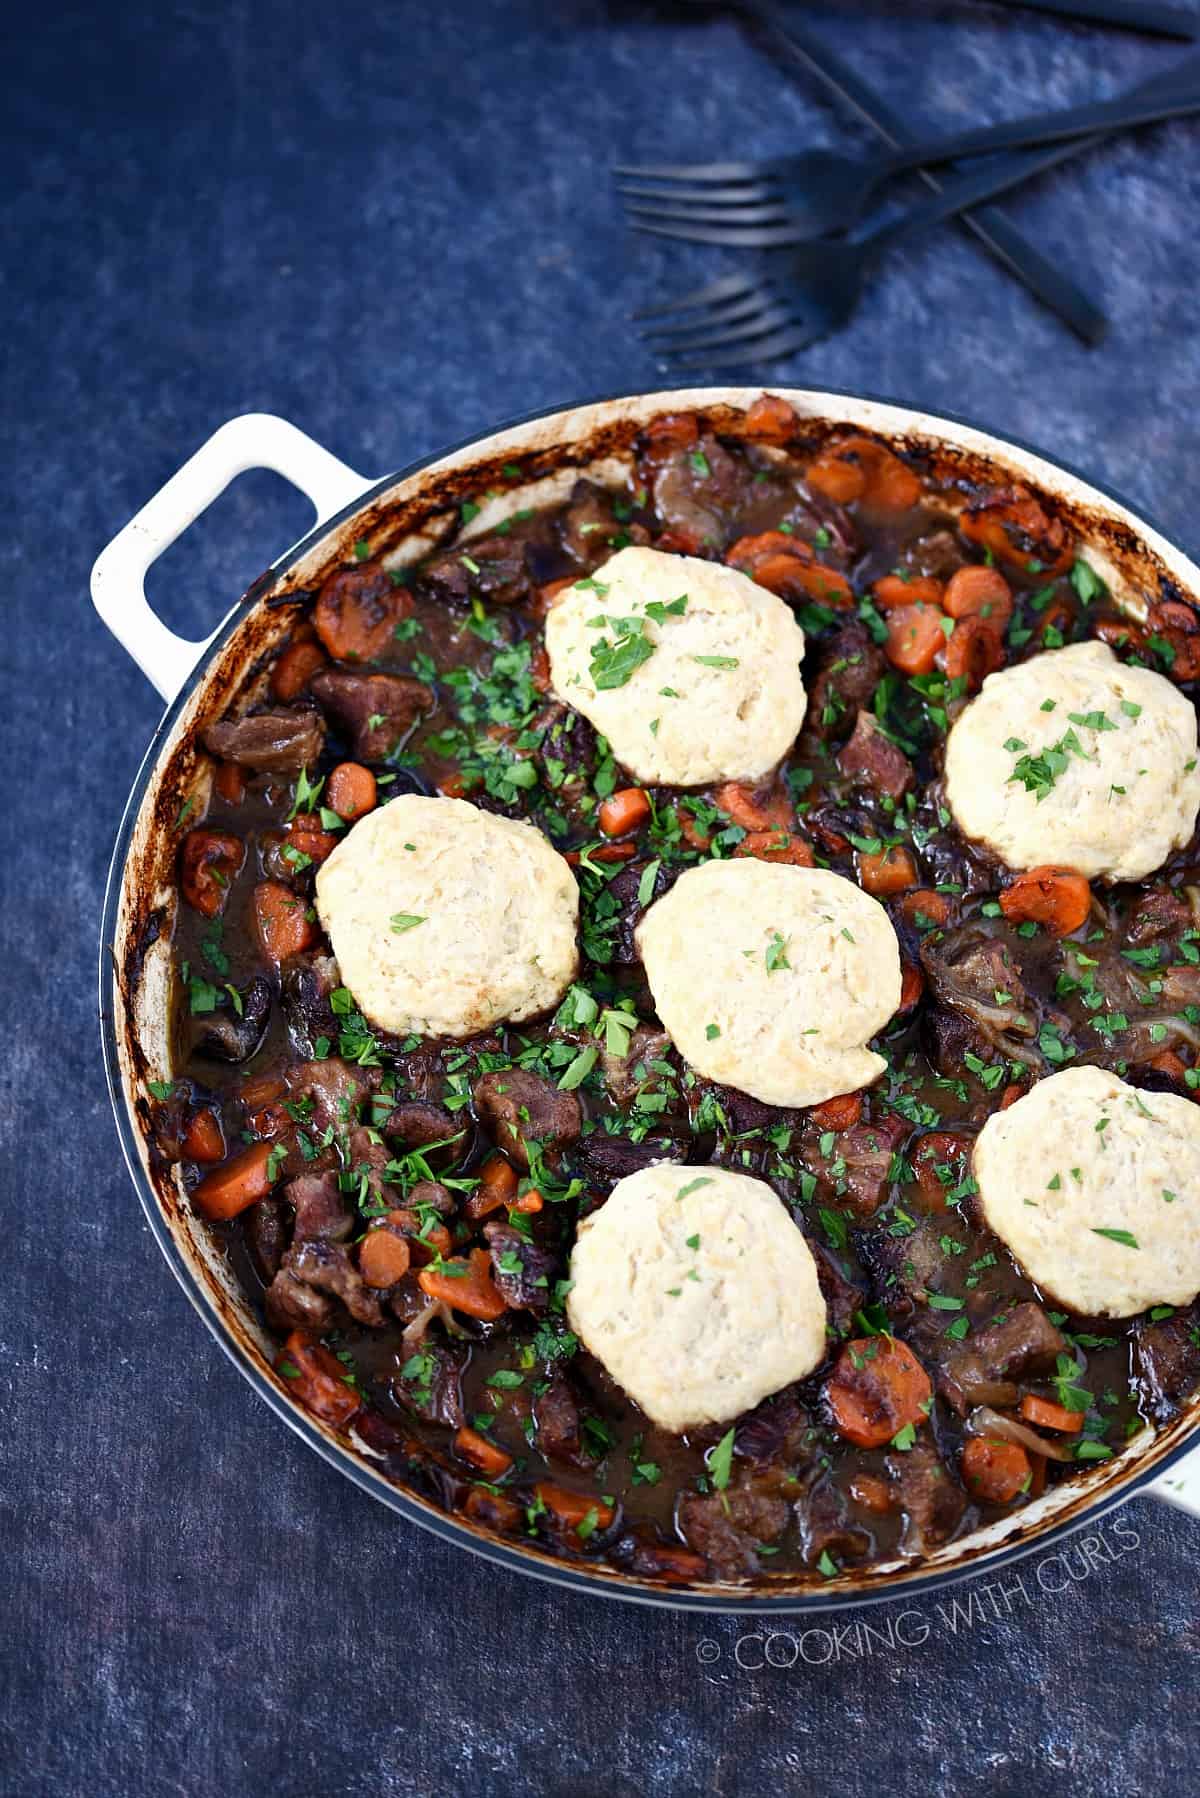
(209, 861)
(838, 1114)
(777, 846)
(1048, 1416)
(539, 668)
(912, 985)
(770, 420)
(230, 782)
(885, 483)
(573, 1508)
(1016, 527)
(939, 1165)
(241, 1182)
(771, 811)
(529, 1203)
(485, 1455)
(203, 1139)
(916, 590)
(978, 588)
(1057, 898)
(755, 548)
(317, 1379)
(546, 596)
(307, 838)
(925, 907)
(973, 650)
(295, 668)
(891, 871)
(466, 1286)
(1010, 1095)
(876, 1389)
(497, 1187)
(624, 811)
(996, 1472)
(605, 852)
(281, 917)
(871, 1493)
(357, 611)
(914, 637)
(351, 792)
(689, 827)
(383, 1256)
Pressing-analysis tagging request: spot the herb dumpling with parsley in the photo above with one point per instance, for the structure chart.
(446, 919)
(1077, 760)
(691, 670)
(772, 978)
(698, 1293)
(1095, 1188)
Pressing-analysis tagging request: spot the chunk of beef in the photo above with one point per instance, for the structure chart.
(368, 1158)
(975, 975)
(1166, 1361)
(842, 1296)
(522, 1270)
(635, 1072)
(849, 668)
(523, 1111)
(307, 981)
(494, 567)
(336, 1090)
(327, 1267)
(903, 1269)
(741, 1112)
(291, 1305)
(874, 759)
(374, 711)
(420, 1124)
(1157, 914)
(603, 1159)
(729, 1527)
(275, 742)
(1180, 987)
(938, 554)
(322, 1214)
(775, 1433)
(983, 1369)
(699, 489)
(567, 752)
(267, 1235)
(556, 1414)
(624, 889)
(590, 528)
(233, 1034)
(430, 1383)
(856, 1165)
(932, 1500)
(826, 1527)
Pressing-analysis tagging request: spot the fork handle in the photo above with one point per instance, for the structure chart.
(970, 190)
(803, 49)
(1049, 128)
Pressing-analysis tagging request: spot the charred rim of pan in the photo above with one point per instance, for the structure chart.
(1095, 1496)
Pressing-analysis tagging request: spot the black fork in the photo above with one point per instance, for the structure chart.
(811, 291)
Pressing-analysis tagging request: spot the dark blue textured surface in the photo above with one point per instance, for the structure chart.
(391, 224)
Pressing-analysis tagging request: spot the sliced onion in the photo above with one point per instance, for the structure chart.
(983, 1421)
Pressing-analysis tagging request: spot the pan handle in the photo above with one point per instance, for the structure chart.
(1180, 1484)
(255, 440)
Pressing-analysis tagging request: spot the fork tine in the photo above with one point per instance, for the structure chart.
(659, 190)
(690, 171)
(727, 288)
(770, 316)
(725, 314)
(733, 237)
(756, 213)
(770, 349)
